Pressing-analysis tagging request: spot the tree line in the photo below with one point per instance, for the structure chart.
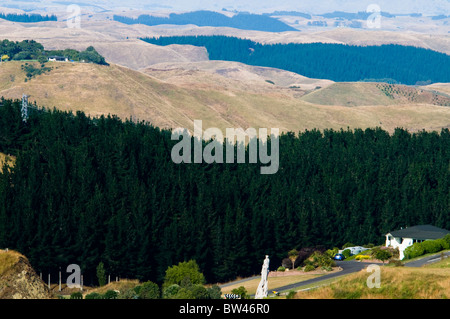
(27, 18)
(337, 62)
(32, 50)
(244, 21)
(86, 191)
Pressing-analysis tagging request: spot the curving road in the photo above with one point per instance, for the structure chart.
(347, 268)
(355, 266)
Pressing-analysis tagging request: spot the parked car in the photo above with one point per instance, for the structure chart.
(338, 257)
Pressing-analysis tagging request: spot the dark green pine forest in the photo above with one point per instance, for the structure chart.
(27, 18)
(88, 190)
(243, 21)
(337, 62)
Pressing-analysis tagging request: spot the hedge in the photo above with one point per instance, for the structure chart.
(427, 247)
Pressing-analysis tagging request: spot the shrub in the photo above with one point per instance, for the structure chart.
(186, 269)
(128, 294)
(76, 295)
(347, 253)
(290, 294)
(110, 294)
(444, 244)
(199, 292)
(171, 291)
(309, 267)
(431, 246)
(362, 257)
(214, 292)
(93, 295)
(413, 251)
(281, 268)
(184, 293)
(318, 259)
(149, 290)
(446, 238)
(241, 291)
(332, 252)
(382, 254)
(396, 263)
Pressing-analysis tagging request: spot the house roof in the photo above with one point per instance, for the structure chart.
(421, 232)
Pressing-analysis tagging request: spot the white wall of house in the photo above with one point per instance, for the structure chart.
(400, 243)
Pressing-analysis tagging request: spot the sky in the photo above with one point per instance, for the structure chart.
(426, 7)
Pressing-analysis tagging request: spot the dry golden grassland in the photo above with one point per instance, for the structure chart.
(7, 260)
(117, 90)
(430, 282)
(273, 283)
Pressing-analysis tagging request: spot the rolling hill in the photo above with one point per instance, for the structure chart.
(217, 99)
(367, 93)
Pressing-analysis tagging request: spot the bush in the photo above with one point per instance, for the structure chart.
(444, 244)
(76, 295)
(327, 268)
(184, 293)
(171, 291)
(241, 291)
(214, 292)
(199, 292)
(290, 294)
(93, 295)
(396, 263)
(187, 269)
(382, 254)
(149, 290)
(281, 268)
(446, 238)
(128, 294)
(413, 251)
(332, 252)
(362, 257)
(347, 253)
(431, 246)
(110, 294)
(309, 267)
(318, 259)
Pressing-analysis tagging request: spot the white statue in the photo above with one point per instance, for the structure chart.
(262, 290)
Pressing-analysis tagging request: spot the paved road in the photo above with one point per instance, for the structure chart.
(347, 268)
(426, 260)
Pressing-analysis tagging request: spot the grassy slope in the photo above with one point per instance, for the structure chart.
(118, 90)
(367, 93)
(7, 260)
(273, 283)
(430, 282)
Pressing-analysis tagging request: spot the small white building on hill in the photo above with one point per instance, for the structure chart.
(405, 237)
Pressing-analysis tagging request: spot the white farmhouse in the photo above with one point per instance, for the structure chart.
(405, 237)
(56, 58)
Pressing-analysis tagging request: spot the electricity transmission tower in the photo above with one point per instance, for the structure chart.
(24, 107)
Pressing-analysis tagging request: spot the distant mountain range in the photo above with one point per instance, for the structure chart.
(244, 21)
